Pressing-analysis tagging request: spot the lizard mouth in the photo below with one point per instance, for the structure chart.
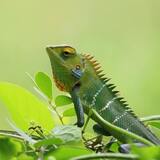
(53, 55)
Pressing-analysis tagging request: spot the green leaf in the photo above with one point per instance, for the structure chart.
(67, 133)
(69, 112)
(155, 124)
(114, 147)
(9, 148)
(44, 83)
(62, 100)
(24, 107)
(147, 153)
(25, 157)
(50, 158)
(67, 152)
(50, 141)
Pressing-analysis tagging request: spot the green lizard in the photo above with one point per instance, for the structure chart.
(80, 75)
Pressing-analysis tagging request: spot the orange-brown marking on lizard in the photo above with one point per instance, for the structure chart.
(59, 85)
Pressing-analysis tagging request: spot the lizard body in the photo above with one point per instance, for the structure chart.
(80, 75)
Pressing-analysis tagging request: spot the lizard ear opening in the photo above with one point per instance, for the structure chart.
(77, 73)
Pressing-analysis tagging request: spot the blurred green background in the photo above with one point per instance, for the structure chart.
(123, 35)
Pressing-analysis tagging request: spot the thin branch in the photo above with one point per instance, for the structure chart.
(11, 134)
(54, 108)
(108, 156)
(150, 118)
(50, 103)
(14, 134)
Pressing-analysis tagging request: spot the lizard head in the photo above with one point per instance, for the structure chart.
(67, 66)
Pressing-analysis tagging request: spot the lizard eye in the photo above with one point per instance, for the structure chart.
(66, 53)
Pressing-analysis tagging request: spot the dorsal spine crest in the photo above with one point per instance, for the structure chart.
(105, 80)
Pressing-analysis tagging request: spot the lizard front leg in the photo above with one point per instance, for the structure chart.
(78, 106)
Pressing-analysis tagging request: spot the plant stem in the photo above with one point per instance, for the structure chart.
(150, 118)
(41, 153)
(54, 108)
(14, 134)
(108, 156)
(87, 121)
(11, 134)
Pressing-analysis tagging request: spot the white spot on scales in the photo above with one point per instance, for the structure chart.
(108, 104)
(96, 94)
(117, 118)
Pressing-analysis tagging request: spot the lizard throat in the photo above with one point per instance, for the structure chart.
(60, 85)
